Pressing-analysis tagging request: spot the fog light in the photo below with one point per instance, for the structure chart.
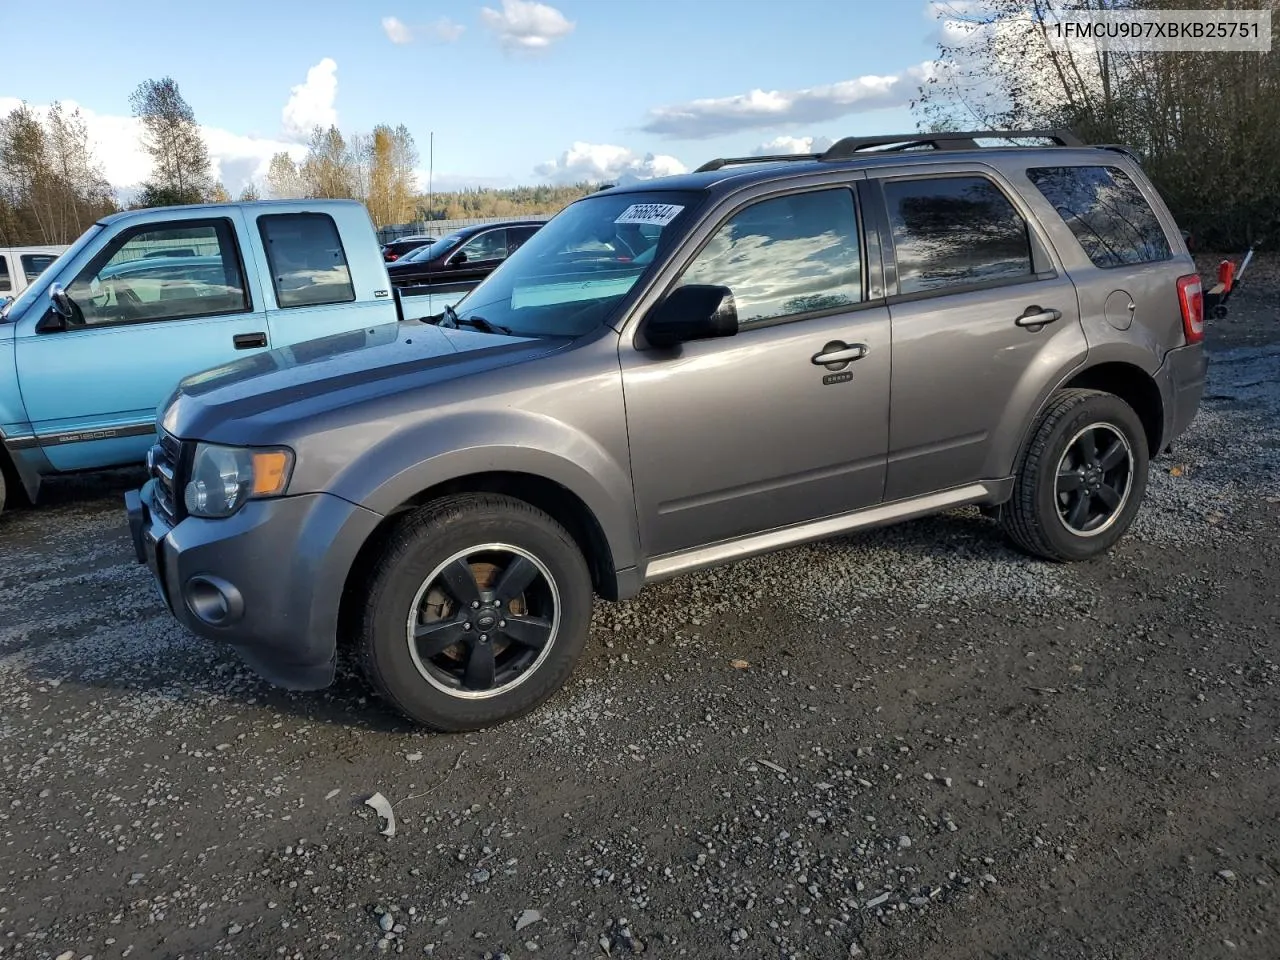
(214, 600)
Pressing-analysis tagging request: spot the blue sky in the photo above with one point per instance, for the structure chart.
(515, 91)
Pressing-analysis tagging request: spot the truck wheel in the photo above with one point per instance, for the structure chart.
(3, 491)
(1081, 479)
(478, 609)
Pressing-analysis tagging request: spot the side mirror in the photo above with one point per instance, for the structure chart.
(695, 312)
(61, 302)
(457, 258)
(60, 311)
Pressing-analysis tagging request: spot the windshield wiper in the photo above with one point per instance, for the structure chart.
(477, 322)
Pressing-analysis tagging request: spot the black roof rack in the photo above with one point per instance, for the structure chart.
(850, 147)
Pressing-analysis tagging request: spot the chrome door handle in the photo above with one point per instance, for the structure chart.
(1036, 317)
(839, 353)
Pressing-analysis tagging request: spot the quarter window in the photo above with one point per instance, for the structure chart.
(171, 271)
(308, 264)
(1107, 213)
(951, 232)
(785, 257)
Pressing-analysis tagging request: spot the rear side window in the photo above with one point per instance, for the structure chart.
(786, 256)
(308, 265)
(952, 232)
(5, 283)
(1107, 213)
(34, 264)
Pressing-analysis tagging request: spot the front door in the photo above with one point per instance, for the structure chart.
(159, 302)
(742, 434)
(981, 319)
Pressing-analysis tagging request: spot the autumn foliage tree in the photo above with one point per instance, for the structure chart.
(51, 186)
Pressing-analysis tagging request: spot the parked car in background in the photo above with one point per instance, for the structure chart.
(395, 249)
(441, 274)
(19, 266)
(678, 374)
(145, 297)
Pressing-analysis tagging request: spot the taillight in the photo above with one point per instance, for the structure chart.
(1191, 300)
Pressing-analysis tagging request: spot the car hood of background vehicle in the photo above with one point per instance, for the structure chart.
(309, 378)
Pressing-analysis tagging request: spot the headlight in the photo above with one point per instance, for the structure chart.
(223, 478)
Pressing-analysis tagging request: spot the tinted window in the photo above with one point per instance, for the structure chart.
(955, 231)
(518, 235)
(170, 271)
(34, 264)
(5, 283)
(308, 264)
(1107, 213)
(786, 256)
(490, 245)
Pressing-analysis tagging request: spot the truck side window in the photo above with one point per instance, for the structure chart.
(5, 283)
(34, 264)
(308, 265)
(162, 271)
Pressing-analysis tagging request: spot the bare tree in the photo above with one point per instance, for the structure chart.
(1206, 125)
(181, 171)
(284, 179)
(327, 170)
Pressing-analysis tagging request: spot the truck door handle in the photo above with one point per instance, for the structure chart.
(838, 352)
(1037, 317)
(247, 341)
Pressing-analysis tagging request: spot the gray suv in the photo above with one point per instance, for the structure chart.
(673, 375)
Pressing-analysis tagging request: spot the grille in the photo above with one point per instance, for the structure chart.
(163, 461)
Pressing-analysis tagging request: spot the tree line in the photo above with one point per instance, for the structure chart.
(1205, 125)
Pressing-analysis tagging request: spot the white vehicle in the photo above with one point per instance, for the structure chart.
(20, 265)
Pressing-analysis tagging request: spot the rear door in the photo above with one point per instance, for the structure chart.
(160, 301)
(983, 317)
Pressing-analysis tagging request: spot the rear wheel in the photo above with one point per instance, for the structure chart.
(1082, 478)
(477, 612)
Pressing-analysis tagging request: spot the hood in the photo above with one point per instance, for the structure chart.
(308, 379)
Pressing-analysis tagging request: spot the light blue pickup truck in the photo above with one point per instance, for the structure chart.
(146, 297)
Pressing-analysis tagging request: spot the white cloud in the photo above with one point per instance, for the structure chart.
(712, 117)
(526, 24)
(442, 30)
(606, 162)
(311, 102)
(779, 146)
(397, 30)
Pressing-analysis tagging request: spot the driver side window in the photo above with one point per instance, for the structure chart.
(171, 271)
(490, 245)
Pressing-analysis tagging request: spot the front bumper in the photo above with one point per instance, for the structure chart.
(267, 581)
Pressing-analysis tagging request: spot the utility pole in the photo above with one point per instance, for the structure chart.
(431, 165)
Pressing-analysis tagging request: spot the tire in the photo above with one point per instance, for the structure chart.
(533, 636)
(3, 485)
(1049, 522)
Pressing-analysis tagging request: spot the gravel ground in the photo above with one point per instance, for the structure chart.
(915, 743)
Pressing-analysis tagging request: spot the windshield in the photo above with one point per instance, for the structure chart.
(569, 277)
(41, 283)
(429, 250)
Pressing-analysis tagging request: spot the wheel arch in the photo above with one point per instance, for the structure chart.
(558, 501)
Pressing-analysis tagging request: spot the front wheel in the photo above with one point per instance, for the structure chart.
(477, 612)
(1081, 479)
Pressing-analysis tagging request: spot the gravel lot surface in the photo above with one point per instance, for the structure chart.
(912, 744)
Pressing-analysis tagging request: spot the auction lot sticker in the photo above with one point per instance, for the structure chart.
(657, 214)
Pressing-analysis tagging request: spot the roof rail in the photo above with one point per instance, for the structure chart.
(850, 147)
(967, 140)
(719, 162)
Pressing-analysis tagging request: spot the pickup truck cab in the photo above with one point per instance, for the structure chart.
(19, 266)
(147, 297)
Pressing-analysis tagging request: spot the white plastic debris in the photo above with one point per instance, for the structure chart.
(331, 794)
(527, 918)
(383, 809)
